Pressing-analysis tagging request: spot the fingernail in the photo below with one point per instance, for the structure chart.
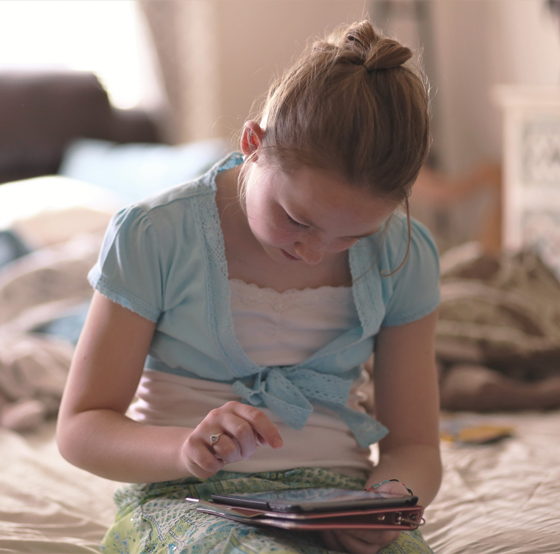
(277, 443)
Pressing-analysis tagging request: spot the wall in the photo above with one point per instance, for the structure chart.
(478, 44)
(218, 56)
(260, 39)
(226, 53)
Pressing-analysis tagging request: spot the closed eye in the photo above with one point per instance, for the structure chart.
(296, 223)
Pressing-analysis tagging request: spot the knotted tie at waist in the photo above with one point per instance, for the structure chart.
(287, 393)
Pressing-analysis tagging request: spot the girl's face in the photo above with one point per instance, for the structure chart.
(309, 215)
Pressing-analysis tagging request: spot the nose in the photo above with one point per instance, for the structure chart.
(311, 252)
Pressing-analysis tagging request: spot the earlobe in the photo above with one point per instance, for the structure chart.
(251, 139)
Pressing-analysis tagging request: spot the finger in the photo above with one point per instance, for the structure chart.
(382, 536)
(228, 449)
(266, 431)
(240, 441)
(204, 466)
(200, 458)
(247, 426)
(356, 546)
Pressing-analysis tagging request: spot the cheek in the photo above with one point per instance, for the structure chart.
(270, 228)
(342, 245)
(281, 232)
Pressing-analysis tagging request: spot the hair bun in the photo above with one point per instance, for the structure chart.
(387, 53)
(370, 48)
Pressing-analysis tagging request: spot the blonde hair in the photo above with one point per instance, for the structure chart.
(351, 105)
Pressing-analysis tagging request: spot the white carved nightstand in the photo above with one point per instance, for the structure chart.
(531, 172)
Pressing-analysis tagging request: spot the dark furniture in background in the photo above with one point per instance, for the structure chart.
(41, 112)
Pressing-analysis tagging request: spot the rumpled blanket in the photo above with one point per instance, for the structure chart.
(44, 295)
(502, 312)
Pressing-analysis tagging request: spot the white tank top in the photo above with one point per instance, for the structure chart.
(273, 329)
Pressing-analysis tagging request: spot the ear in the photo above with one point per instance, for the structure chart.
(251, 139)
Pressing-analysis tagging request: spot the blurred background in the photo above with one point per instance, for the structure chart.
(198, 66)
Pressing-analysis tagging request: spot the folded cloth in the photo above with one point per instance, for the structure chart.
(46, 290)
(499, 311)
(47, 275)
(33, 371)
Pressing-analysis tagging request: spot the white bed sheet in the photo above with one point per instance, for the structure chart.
(503, 497)
(495, 499)
(46, 504)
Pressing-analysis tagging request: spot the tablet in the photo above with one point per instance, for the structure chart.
(315, 500)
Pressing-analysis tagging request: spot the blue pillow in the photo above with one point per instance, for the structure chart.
(137, 170)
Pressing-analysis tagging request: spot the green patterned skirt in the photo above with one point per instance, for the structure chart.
(155, 519)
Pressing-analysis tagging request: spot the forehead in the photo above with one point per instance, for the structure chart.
(325, 189)
(325, 198)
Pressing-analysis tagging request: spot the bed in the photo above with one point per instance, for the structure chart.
(497, 497)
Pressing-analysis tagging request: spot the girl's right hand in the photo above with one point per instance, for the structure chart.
(241, 429)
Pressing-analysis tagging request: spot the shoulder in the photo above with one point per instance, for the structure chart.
(410, 272)
(159, 225)
(152, 246)
(421, 250)
(176, 201)
(177, 210)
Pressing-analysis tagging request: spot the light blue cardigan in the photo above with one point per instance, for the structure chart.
(164, 259)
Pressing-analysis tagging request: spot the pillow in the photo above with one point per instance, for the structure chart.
(53, 208)
(137, 170)
(51, 193)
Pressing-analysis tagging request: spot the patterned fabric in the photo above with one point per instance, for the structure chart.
(155, 518)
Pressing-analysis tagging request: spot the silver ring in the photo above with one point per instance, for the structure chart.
(215, 438)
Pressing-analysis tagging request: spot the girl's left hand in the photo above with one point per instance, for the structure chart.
(364, 541)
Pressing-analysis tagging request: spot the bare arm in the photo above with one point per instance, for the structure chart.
(407, 403)
(95, 434)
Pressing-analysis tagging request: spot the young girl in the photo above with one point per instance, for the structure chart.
(238, 312)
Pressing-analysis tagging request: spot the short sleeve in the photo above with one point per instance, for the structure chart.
(415, 289)
(129, 268)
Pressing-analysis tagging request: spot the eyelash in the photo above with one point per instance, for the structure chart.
(302, 226)
(296, 223)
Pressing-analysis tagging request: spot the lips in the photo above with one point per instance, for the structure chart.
(289, 256)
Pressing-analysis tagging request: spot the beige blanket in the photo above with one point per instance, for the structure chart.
(495, 499)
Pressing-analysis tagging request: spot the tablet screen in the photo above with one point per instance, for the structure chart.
(323, 499)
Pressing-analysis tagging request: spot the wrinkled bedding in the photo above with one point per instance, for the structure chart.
(44, 295)
(500, 311)
(47, 505)
(501, 498)
(495, 499)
